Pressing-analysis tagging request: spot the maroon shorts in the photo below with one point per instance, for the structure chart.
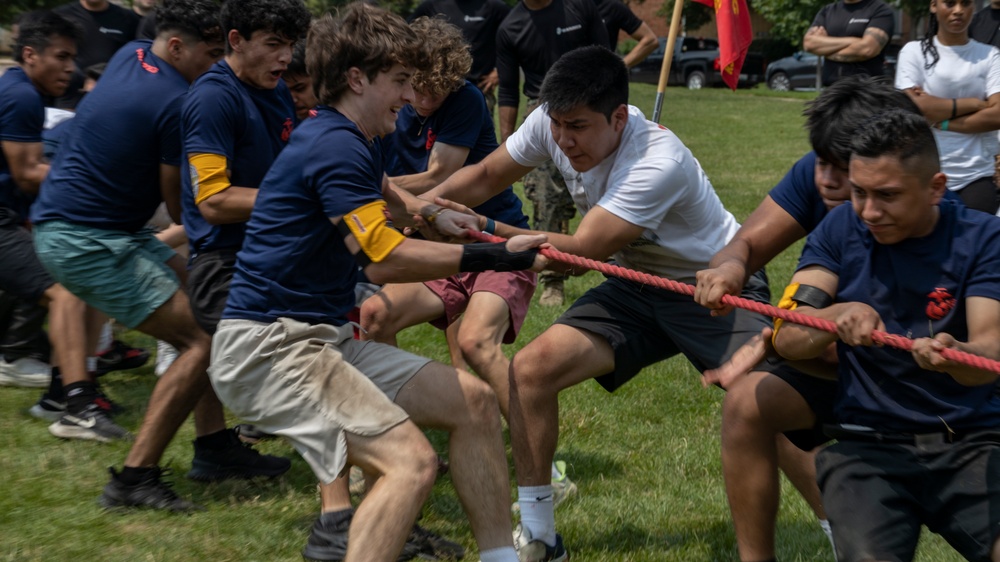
(514, 287)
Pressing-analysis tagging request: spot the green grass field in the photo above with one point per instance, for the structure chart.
(646, 458)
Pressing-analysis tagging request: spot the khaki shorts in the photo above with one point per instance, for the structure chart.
(310, 384)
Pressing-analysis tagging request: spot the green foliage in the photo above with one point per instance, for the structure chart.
(791, 18)
(695, 14)
(9, 9)
(625, 47)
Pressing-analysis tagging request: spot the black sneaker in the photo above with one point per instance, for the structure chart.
(92, 423)
(103, 402)
(48, 409)
(328, 543)
(435, 545)
(236, 460)
(120, 357)
(152, 492)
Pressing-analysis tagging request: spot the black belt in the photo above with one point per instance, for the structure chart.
(842, 433)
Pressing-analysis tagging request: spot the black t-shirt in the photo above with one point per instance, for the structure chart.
(147, 27)
(617, 17)
(852, 20)
(533, 40)
(103, 34)
(985, 26)
(479, 21)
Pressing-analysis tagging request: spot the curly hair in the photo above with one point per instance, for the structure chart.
(360, 36)
(449, 55)
(287, 18)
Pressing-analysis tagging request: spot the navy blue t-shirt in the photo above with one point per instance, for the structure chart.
(106, 173)
(294, 263)
(919, 288)
(462, 120)
(22, 118)
(249, 126)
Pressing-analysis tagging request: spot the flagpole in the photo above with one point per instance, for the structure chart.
(668, 57)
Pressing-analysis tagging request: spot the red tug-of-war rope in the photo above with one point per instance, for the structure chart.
(892, 340)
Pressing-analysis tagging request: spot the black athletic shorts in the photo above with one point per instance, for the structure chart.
(877, 495)
(645, 325)
(209, 276)
(820, 394)
(21, 274)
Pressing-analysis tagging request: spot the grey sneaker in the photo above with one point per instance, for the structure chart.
(531, 550)
(48, 409)
(93, 423)
(25, 372)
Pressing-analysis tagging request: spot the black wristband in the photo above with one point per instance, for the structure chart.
(495, 257)
(807, 295)
(954, 108)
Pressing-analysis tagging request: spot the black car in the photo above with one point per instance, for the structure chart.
(694, 65)
(790, 73)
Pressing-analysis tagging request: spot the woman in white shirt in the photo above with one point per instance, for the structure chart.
(955, 81)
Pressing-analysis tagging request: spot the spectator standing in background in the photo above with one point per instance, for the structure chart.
(106, 28)
(851, 35)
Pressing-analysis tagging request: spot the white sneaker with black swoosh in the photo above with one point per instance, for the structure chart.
(93, 423)
(530, 549)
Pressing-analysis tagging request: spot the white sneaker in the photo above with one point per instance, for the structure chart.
(165, 356)
(25, 372)
(530, 549)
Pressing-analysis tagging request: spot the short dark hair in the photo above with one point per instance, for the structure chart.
(360, 36)
(901, 134)
(297, 66)
(287, 18)
(591, 76)
(195, 19)
(37, 29)
(833, 117)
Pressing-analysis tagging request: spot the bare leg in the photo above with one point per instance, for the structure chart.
(454, 351)
(559, 358)
(755, 411)
(397, 307)
(180, 388)
(68, 333)
(336, 495)
(209, 416)
(385, 518)
(480, 337)
(442, 397)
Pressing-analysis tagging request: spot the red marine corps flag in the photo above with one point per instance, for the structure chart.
(733, 19)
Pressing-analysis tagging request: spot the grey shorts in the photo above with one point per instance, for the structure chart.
(645, 325)
(310, 384)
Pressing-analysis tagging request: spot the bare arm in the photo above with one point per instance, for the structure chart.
(982, 121)
(27, 164)
(231, 205)
(817, 42)
(797, 342)
(868, 46)
(647, 44)
(508, 121)
(983, 319)
(768, 231)
(937, 109)
(170, 190)
(444, 160)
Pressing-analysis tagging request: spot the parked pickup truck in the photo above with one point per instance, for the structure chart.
(695, 65)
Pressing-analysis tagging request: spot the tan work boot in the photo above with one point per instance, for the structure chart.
(552, 295)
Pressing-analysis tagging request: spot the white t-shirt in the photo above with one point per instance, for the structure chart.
(652, 180)
(966, 71)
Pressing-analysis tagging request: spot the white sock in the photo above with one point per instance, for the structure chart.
(538, 512)
(503, 554)
(105, 338)
(825, 525)
(91, 364)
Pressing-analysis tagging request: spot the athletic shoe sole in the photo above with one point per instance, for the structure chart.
(64, 431)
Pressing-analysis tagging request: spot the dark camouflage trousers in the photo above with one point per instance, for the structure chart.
(552, 205)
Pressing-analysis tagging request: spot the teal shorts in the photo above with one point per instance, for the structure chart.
(123, 274)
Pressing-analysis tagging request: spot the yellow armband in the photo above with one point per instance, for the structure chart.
(369, 225)
(786, 303)
(209, 175)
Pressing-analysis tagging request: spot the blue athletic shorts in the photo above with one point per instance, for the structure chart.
(123, 274)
